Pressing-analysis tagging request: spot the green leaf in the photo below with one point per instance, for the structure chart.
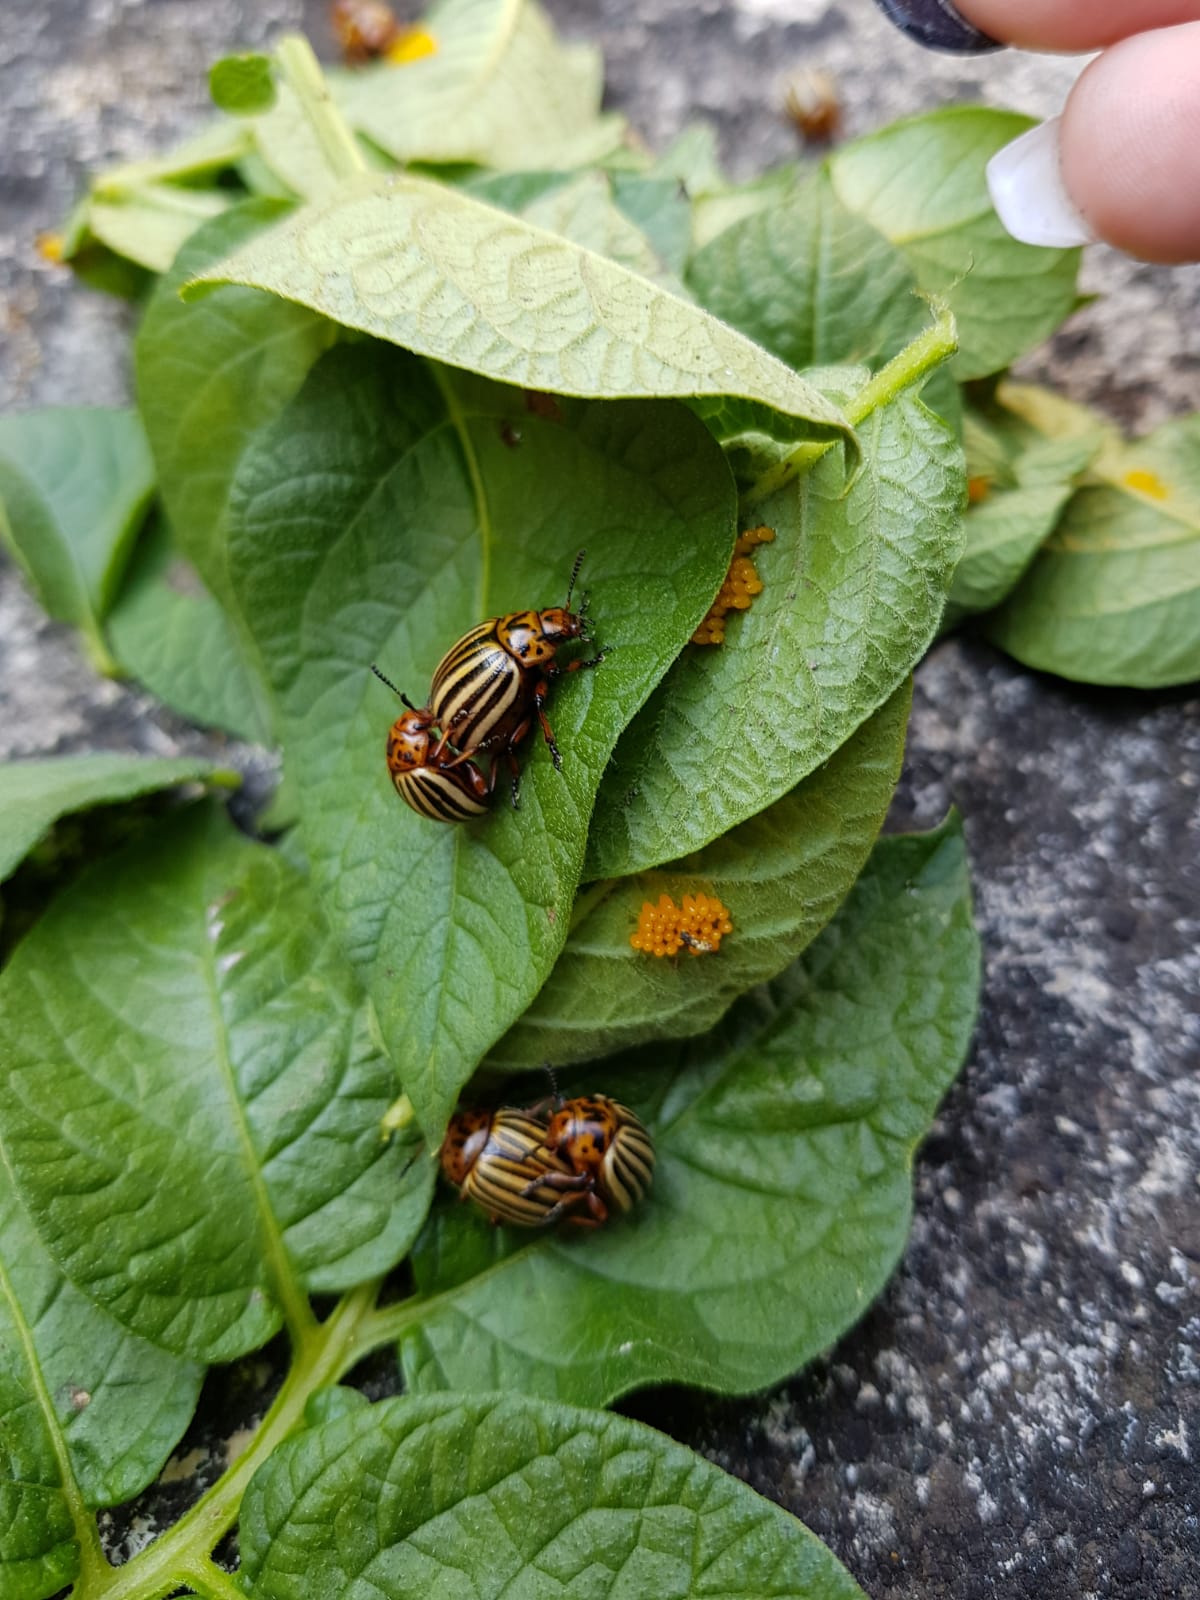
(810, 281)
(509, 1496)
(169, 633)
(716, 210)
(1020, 481)
(430, 268)
(88, 1411)
(74, 487)
(189, 1098)
(500, 89)
(659, 208)
(781, 1198)
(217, 148)
(1114, 595)
(781, 875)
(35, 793)
(922, 184)
(692, 159)
(150, 224)
(854, 586)
(585, 211)
(242, 85)
(208, 376)
(390, 509)
(1003, 534)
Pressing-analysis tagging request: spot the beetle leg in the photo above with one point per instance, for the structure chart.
(598, 1212)
(558, 1180)
(515, 770)
(593, 661)
(541, 690)
(555, 1213)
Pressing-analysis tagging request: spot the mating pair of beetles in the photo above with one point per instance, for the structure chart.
(591, 1157)
(487, 690)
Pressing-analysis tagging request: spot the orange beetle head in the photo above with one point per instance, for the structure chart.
(582, 1131)
(408, 742)
(465, 1140)
(558, 624)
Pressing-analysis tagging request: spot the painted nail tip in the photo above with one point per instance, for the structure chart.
(937, 25)
(1025, 182)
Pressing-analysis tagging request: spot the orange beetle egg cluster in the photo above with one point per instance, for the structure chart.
(741, 584)
(664, 929)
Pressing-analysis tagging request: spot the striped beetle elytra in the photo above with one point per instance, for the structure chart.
(492, 683)
(591, 1157)
(499, 1160)
(487, 691)
(609, 1152)
(446, 787)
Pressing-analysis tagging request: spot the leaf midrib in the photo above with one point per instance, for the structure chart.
(292, 1300)
(91, 1556)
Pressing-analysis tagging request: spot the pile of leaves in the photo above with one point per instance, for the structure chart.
(407, 345)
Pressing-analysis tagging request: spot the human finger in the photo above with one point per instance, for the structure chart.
(1072, 24)
(1120, 163)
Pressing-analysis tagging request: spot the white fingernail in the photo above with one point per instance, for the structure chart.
(1025, 180)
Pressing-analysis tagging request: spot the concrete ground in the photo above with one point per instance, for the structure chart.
(1019, 1415)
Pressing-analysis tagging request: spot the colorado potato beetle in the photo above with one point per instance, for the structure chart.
(491, 684)
(813, 105)
(499, 1160)
(364, 29)
(608, 1151)
(442, 785)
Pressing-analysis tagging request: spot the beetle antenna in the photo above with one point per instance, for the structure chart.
(574, 575)
(389, 683)
(553, 1076)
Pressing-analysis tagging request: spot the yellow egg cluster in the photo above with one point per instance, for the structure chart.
(665, 929)
(741, 584)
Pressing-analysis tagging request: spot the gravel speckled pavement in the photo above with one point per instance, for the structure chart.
(1020, 1414)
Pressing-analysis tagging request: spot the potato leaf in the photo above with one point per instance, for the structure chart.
(242, 85)
(499, 90)
(810, 281)
(208, 376)
(584, 210)
(170, 634)
(189, 1098)
(922, 184)
(510, 1496)
(854, 586)
(392, 507)
(74, 487)
(148, 224)
(1018, 483)
(781, 875)
(782, 1195)
(36, 792)
(1114, 595)
(442, 274)
(88, 1411)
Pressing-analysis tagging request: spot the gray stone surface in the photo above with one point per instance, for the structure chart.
(1020, 1414)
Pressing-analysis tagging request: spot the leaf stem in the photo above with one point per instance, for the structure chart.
(302, 73)
(180, 1554)
(212, 1581)
(913, 365)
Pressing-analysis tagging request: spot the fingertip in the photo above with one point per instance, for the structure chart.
(1025, 180)
(1129, 142)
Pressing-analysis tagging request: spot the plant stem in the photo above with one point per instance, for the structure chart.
(302, 73)
(914, 363)
(181, 1554)
(212, 1581)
